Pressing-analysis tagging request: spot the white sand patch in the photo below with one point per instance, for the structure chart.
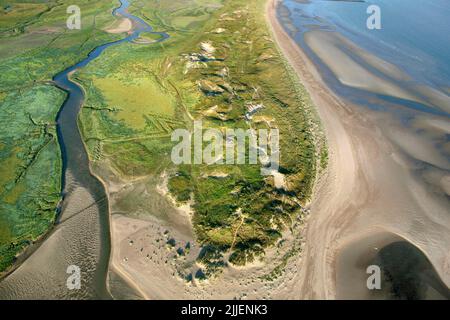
(218, 30)
(207, 47)
(124, 25)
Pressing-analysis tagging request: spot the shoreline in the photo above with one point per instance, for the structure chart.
(367, 187)
(324, 102)
(350, 207)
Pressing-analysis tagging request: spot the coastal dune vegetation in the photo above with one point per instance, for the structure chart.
(218, 64)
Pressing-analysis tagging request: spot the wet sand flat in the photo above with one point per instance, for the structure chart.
(368, 186)
(77, 240)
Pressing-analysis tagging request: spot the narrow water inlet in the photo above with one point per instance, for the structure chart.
(82, 236)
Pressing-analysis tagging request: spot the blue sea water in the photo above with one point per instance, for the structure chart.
(414, 34)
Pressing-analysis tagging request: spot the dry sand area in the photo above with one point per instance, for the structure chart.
(144, 260)
(120, 26)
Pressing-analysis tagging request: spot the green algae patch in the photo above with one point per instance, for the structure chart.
(36, 45)
(30, 168)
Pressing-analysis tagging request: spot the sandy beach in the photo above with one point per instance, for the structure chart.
(368, 195)
(153, 269)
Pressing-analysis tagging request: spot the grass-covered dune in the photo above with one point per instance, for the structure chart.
(35, 45)
(218, 61)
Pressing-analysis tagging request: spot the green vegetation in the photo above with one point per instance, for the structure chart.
(29, 167)
(219, 60)
(180, 185)
(279, 269)
(35, 45)
(147, 37)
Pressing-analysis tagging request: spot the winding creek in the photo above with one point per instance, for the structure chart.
(82, 235)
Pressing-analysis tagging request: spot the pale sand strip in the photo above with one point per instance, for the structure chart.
(124, 25)
(367, 188)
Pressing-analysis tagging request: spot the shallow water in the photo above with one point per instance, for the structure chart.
(399, 78)
(400, 73)
(413, 34)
